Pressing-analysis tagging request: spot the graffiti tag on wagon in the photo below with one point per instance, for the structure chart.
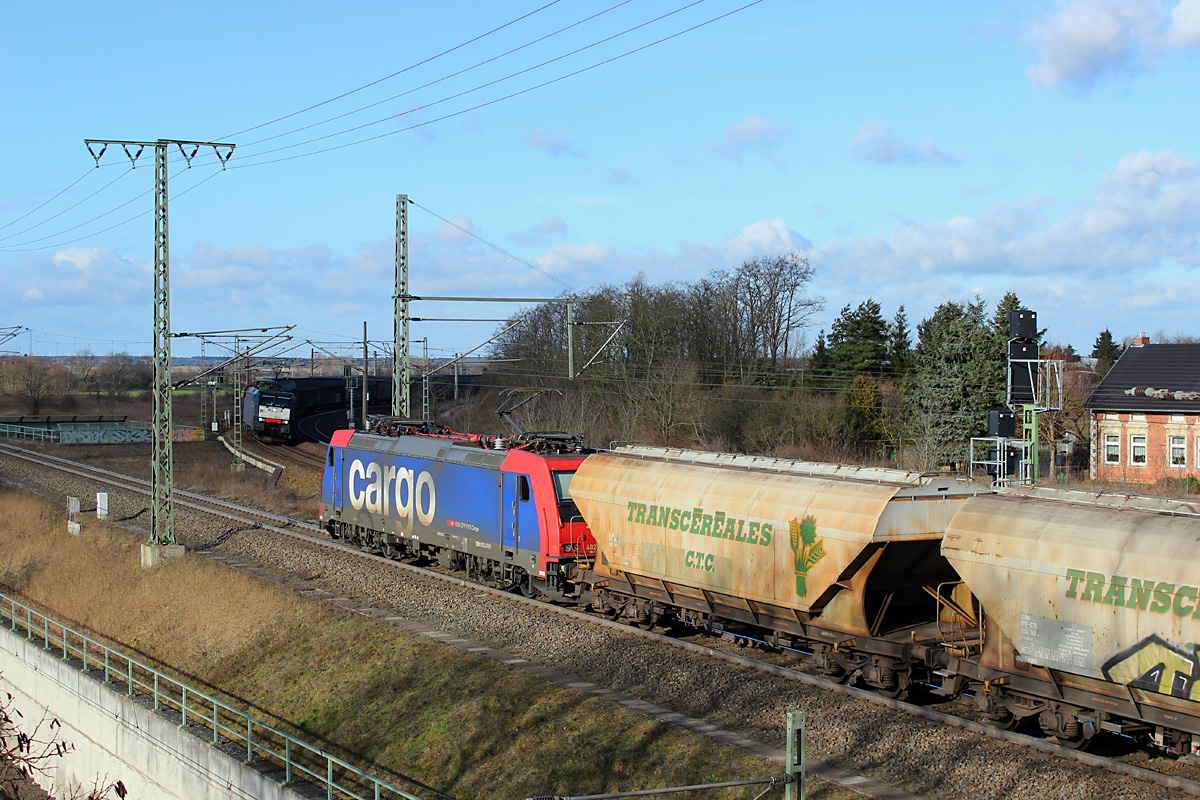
(1158, 597)
(1156, 665)
(717, 525)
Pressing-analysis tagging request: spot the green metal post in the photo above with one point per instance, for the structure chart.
(425, 409)
(401, 404)
(1029, 432)
(795, 756)
(570, 341)
(162, 508)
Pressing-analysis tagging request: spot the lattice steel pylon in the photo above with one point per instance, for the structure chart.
(401, 404)
(162, 478)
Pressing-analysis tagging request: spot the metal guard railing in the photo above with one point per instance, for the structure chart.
(299, 760)
(26, 432)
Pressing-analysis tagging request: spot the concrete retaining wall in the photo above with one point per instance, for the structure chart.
(115, 737)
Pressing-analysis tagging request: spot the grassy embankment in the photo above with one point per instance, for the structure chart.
(469, 728)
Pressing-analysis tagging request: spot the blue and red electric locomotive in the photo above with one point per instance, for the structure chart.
(499, 509)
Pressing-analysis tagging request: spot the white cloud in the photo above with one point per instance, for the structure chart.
(767, 237)
(875, 141)
(1184, 30)
(545, 229)
(618, 176)
(754, 135)
(458, 229)
(1087, 41)
(1137, 236)
(555, 144)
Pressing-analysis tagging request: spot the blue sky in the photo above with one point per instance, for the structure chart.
(916, 152)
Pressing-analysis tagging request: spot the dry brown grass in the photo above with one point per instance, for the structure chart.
(470, 728)
(189, 612)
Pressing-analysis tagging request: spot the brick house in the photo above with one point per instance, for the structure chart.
(1145, 414)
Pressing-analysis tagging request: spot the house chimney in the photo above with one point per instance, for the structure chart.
(1141, 341)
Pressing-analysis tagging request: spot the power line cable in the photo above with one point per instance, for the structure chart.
(485, 104)
(43, 205)
(20, 246)
(498, 248)
(437, 81)
(393, 75)
(65, 210)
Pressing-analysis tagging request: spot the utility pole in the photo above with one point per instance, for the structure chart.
(364, 379)
(162, 479)
(401, 405)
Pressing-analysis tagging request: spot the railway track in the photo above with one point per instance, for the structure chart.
(729, 652)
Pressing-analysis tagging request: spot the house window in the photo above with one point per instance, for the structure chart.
(1178, 451)
(1137, 448)
(1112, 448)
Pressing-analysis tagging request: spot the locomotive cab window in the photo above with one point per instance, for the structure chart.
(523, 488)
(567, 509)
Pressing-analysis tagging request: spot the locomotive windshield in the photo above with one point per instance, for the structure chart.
(567, 509)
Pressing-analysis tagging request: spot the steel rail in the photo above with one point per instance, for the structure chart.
(1043, 745)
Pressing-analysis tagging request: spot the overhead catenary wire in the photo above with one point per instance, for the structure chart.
(498, 248)
(394, 74)
(435, 81)
(20, 247)
(201, 161)
(477, 106)
(38, 208)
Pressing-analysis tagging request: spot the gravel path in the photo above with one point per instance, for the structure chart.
(919, 756)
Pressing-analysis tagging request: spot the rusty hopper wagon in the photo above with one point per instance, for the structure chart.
(1092, 612)
(842, 561)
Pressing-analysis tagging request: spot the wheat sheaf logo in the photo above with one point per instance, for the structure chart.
(807, 550)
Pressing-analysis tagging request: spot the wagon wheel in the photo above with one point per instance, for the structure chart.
(647, 622)
(896, 692)
(836, 674)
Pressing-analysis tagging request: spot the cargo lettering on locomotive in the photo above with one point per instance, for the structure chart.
(371, 487)
(1158, 597)
(718, 525)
